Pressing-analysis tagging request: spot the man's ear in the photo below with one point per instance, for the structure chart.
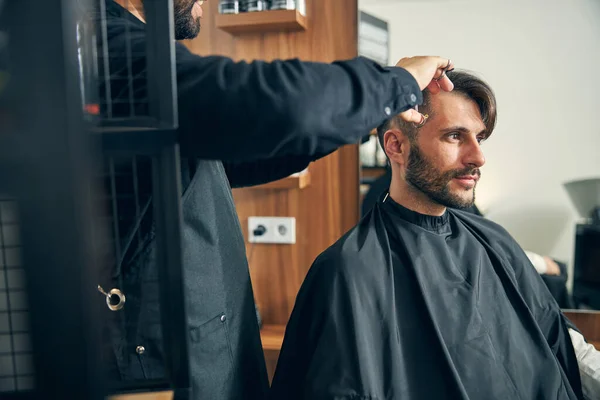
(395, 145)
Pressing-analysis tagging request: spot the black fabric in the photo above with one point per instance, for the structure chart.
(557, 285)
(409, 306)
(241, 124)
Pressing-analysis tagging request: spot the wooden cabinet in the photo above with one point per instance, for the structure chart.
(327, 204)
(272, 339)
(588, 322)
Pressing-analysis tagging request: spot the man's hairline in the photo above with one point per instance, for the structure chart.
(430, 116)
(414, 138)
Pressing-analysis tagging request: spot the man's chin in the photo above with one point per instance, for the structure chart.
(463, 206)
(187, 34)
(187, 29)
(460, 199)
(461, 202)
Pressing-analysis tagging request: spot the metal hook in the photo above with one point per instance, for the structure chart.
(115, 299)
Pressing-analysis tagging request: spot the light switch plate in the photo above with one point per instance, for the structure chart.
(280, 230)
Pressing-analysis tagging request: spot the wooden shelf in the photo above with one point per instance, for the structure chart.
(261, 21)
(296, 181)
(272, 337)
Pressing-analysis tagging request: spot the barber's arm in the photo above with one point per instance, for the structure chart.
(238, 111)
(247, 111)
(251, 173)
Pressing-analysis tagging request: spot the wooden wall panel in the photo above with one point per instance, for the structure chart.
(329, 206)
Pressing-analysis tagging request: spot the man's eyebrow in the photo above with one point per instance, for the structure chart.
(458, 128)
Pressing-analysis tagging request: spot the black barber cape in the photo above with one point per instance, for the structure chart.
(240, 124)
(410, 306)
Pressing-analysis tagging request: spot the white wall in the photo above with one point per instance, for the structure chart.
(542, 58)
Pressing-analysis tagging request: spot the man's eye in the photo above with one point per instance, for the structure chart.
(480, 140)
(454, 136)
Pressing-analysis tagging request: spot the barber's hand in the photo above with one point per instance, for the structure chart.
(429, 72)
(552, 267)
(427, 69)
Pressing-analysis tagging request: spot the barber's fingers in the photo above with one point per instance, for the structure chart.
(427, 68)
(444, 84)
(412, 115)
(447, 66)
(441, 81)
(433, 87)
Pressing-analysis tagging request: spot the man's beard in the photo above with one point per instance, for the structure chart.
(422, 175)
(186, 26)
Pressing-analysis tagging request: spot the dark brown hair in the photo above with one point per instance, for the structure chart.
(465, 84)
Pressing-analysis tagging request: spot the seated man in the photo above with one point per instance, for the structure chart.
(423, 301)
(554, 274)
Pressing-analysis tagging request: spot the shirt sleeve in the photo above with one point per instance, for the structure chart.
(246, 111)
(588, 359)
(254, 173)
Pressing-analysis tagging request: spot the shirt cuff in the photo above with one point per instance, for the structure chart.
(409, 94)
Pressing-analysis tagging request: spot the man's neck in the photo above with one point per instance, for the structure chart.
(413, 199)
(135, 7)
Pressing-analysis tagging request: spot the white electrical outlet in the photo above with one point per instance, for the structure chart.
(272, 230)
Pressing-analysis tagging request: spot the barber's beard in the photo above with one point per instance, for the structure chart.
(422, 175)
(186, 26)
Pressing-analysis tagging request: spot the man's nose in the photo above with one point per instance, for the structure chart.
(474, 156)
